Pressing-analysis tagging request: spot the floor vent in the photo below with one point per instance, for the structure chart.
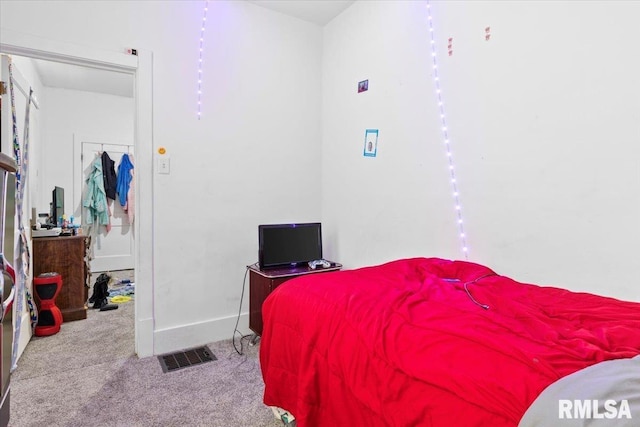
(183, 359)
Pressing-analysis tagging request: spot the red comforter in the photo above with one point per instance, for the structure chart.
(402, 344)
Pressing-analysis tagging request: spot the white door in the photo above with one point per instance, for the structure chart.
(113, 249)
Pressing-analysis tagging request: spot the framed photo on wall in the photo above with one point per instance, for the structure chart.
(370, 142)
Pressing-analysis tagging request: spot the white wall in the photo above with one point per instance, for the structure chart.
(252, 159)
(544, 125)
(397, 204)
(73, 112)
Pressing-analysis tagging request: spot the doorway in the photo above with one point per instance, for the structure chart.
(141, 69)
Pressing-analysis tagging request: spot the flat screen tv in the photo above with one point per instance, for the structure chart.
(282, 245)
(57, 205)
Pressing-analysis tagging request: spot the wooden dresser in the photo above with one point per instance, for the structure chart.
(67, 256)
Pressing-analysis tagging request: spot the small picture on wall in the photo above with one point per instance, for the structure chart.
(363, 86)
(370, 142)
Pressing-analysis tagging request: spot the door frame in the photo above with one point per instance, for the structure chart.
(141, 67)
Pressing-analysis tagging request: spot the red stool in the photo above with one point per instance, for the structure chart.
(47, 287)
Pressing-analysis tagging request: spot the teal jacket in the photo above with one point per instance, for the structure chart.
(96, 199)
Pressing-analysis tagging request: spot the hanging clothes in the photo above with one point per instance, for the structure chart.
(125, 174)
(96, 198)
(109, 176)
(129, 208)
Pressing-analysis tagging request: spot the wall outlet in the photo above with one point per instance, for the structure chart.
(163, 165)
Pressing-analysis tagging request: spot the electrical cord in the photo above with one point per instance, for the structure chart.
(235, 329)
(485, 306)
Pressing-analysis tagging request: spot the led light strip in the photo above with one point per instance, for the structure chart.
(445, 134)
(204, 23)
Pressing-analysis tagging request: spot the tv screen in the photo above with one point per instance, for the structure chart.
(57, 205)
(289, 244)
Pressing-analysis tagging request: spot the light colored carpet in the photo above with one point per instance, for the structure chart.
(88, 374)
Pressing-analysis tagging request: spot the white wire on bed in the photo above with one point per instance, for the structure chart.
(466, 288)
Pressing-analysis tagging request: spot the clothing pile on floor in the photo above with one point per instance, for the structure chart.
(121, 291)
(122, 287)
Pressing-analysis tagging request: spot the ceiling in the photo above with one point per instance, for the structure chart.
(76, 77)
(317, 11)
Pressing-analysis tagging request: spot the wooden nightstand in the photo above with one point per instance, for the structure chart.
(263, 282)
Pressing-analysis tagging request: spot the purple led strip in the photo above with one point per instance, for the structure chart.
(445, 134)
(204, 23)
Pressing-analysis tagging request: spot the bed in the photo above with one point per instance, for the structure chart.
(434, 342)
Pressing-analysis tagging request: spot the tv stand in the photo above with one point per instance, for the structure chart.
(263, 282)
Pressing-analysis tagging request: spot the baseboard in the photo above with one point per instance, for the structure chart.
(188, 336)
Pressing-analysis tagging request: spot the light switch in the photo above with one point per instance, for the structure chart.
(163, 165)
